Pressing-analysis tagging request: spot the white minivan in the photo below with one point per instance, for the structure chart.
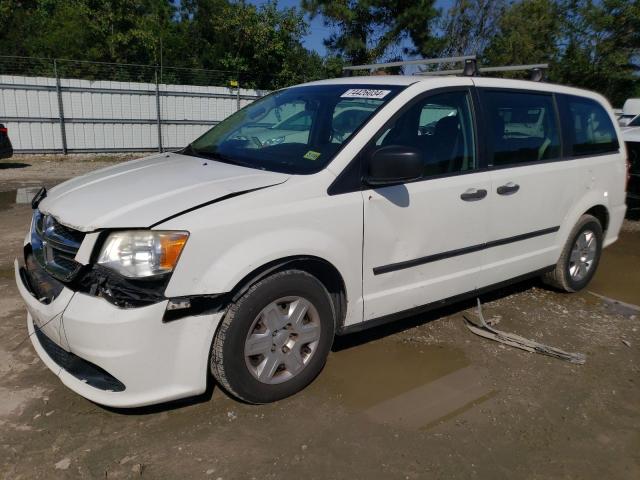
(244, 254)
(630, 111)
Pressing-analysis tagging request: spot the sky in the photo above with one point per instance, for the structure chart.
(318, 31)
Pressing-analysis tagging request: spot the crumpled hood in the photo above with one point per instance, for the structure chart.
(143, 192)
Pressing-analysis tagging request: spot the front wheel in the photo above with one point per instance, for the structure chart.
(274, 340)
(580, 256)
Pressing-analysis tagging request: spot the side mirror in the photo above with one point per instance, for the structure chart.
(394, 164)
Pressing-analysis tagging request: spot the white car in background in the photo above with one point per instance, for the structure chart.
(625, 119)
(244, 259)
(633, 124)
(631, 138)
(630, 110)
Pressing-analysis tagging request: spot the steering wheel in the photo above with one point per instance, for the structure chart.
(426, 129)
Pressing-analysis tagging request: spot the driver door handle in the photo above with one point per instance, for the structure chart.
(473, 194)
(508, 188)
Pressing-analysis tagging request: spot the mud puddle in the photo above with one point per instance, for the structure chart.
(402, 384)
(618, 274)
(20, 195)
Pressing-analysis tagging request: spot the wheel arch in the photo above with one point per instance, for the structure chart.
(602, 214)
(592, 202)
(320, 268)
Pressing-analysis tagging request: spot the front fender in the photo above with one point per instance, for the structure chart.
(231, 240)
(248, 254)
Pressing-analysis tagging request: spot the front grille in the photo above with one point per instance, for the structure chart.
(41, 285)
(78, 367)
(55, 246)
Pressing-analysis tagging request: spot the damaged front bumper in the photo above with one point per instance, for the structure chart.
(119, 357)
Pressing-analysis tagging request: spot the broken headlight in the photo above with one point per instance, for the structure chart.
(142, 253)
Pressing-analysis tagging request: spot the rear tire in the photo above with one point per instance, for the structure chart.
(580, 257)
(274, 340)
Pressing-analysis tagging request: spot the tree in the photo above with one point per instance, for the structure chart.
(527, 32)
(367, 29)
(263, 45)
(601, 46)
(469, 25)
(589, 44)
(107, 30)
(260, 45)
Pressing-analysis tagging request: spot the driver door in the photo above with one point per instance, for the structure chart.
(423, 240)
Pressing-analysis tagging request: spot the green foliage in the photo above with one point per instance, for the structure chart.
(107, 30)
(367, 29)
(527, 31)
(469, 25)
(592, 44)
(600, 48)
(588, 43)
(262, 46)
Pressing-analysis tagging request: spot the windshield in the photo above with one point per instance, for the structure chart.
(635, 122)
(297, 130)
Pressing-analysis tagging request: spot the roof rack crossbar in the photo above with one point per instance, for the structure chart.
(425, 61)
(536, 70)
(515, 68)
(435, 73)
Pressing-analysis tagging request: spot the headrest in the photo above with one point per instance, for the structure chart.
(447, 125)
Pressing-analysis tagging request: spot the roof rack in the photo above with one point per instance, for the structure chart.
(537, 70)
(470, 68)
(425, 61)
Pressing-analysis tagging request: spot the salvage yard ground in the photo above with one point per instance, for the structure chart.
(422, 398)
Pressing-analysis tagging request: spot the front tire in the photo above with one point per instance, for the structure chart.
(274, 340)
(580, 256)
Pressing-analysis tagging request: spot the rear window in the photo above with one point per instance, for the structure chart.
(588, 127)
(523, 127)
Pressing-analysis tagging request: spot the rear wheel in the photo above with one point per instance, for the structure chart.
(274, 340)
(580, 256)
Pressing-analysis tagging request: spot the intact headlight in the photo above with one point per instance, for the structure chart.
(142, 253)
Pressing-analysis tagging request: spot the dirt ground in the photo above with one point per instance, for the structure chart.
(422, 398)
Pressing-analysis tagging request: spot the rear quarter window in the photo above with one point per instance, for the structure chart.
(523, 127)
(587, 127)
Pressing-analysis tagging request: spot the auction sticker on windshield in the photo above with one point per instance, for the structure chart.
(365, 93)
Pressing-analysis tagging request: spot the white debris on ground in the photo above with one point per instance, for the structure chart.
(63, 464)
(478, 325)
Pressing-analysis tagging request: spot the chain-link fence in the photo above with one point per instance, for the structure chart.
(71, 106)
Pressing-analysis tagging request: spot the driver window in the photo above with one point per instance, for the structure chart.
(441, 127)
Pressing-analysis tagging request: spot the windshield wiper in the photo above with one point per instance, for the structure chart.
(190, 150)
